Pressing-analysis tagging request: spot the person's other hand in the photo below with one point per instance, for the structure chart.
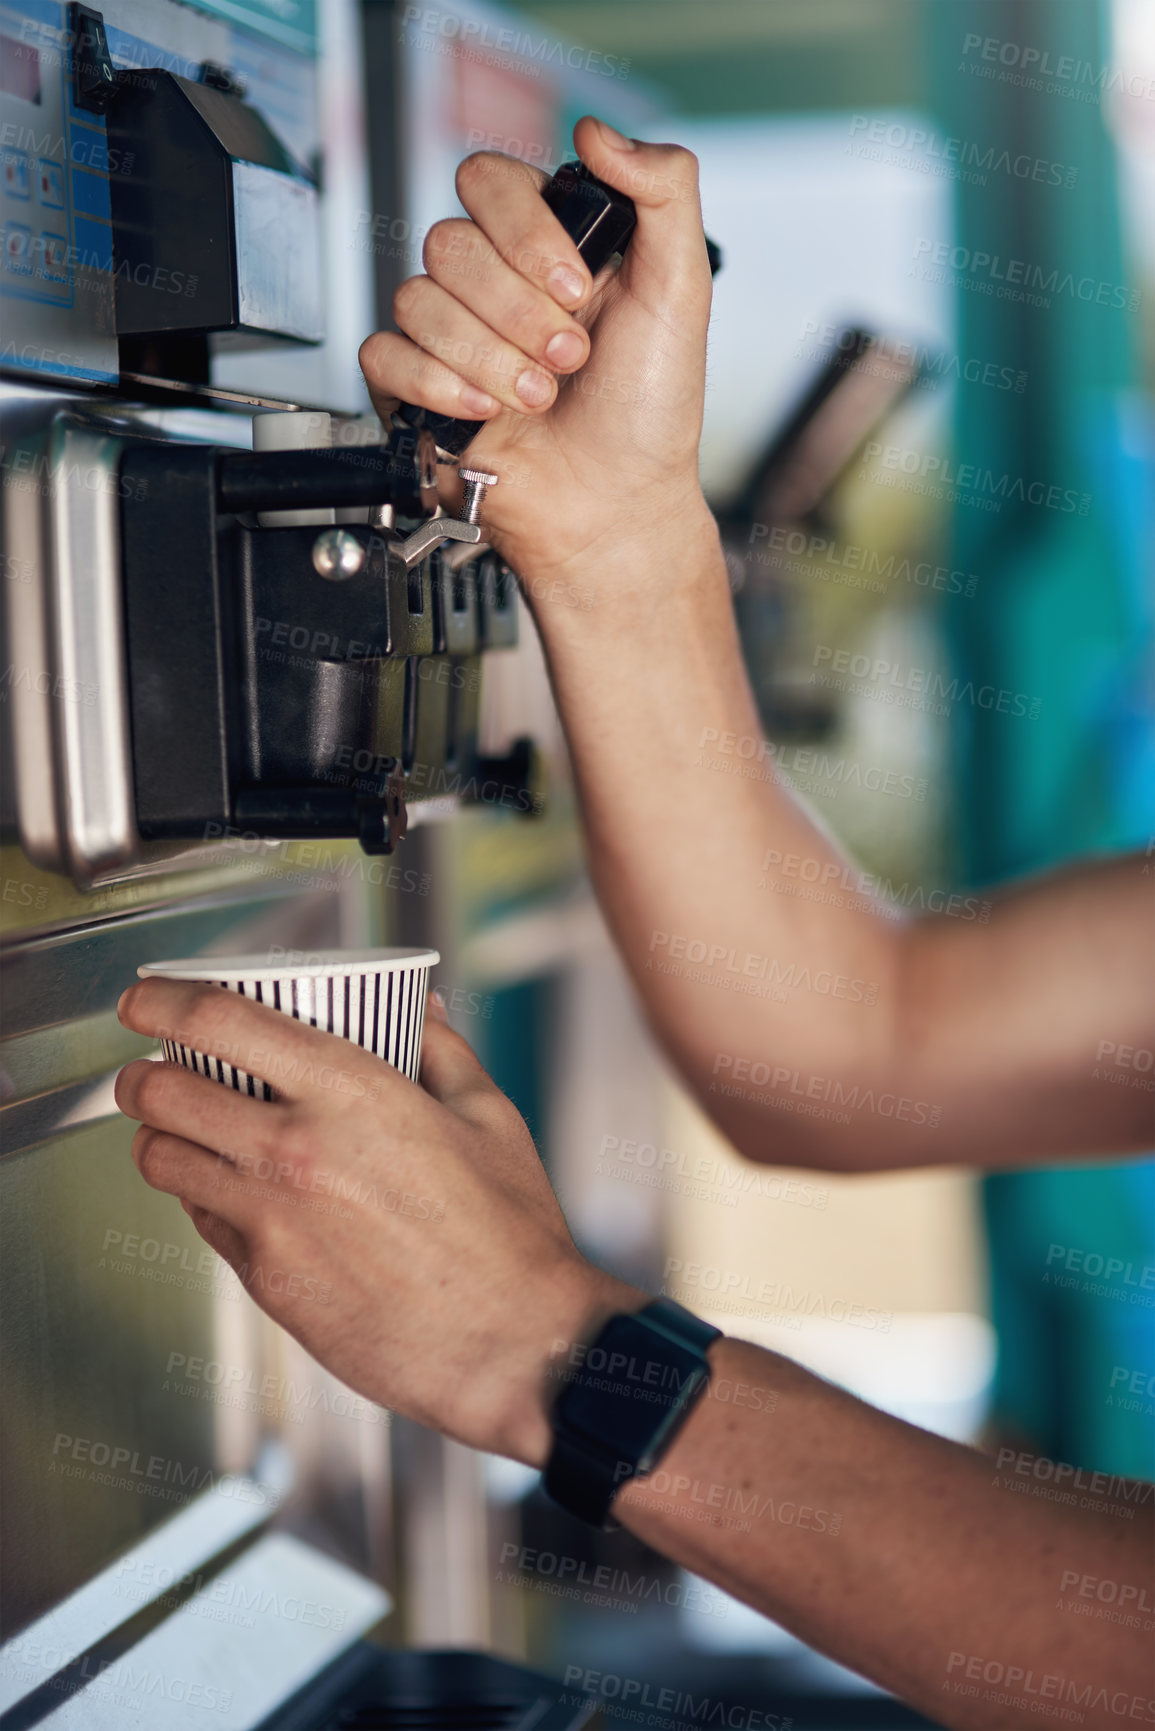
(406, 1235)
(592, 394)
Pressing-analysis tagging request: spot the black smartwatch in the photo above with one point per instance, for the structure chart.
(627, 1396)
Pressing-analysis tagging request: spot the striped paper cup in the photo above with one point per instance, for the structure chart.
(373, 998)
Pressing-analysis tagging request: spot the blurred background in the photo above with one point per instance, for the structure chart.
(930, 441)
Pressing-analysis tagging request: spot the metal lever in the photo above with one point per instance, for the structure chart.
(431, 534)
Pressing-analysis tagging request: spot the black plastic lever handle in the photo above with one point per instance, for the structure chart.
(600, 221)
(402, 473)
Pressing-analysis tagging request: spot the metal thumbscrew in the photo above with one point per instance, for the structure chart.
(337, 555)
(477, 484)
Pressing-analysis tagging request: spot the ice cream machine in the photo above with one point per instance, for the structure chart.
(205, 640)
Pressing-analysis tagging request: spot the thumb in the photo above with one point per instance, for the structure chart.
(449, 1066)
(662, 179)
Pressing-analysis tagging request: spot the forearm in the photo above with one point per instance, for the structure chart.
(689, 863)
(817, 1028)
(898, 1553)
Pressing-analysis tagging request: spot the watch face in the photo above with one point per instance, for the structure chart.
(632, 1386)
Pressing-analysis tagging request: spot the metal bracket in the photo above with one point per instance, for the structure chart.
(431, 534)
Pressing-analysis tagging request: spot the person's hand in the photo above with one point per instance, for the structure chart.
(592, 395)
(406, 1235)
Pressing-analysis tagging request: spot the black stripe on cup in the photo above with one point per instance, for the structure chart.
(384, 1013)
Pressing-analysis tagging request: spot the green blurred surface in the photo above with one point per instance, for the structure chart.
(1051, 620)
(97, 1448)
(757, 56)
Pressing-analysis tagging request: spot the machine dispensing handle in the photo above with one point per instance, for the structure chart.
(600, 221)
(403, 472)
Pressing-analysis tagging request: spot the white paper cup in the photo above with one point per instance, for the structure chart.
(373, 998)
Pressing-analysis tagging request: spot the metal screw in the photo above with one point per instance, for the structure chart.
(477, 483)
(337, 555)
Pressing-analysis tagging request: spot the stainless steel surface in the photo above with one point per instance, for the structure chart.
(477, 484)
(68, 788)
(56, 979)
(96, 1452)
(29, 1122)
(96, 759)
(337, 555)
(59, 1056)
(320, 114)
(178, 1548)
(68, 698)
(432, 533)
(278, 240)
(214, 394)
(28, 782)
(115, 1475)
(442, 1516)
(102, 1279)
(293, 1611)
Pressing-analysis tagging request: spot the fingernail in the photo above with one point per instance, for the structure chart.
(565, 350)
(616, 139)
(565, 283)
(478, 402)
(534, 388)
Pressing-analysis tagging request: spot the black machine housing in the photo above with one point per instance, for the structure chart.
(271, 700)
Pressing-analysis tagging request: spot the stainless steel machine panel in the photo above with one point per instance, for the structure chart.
(102, 1279)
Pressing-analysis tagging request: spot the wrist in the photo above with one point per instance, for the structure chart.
(572, 1316)
(629, 572)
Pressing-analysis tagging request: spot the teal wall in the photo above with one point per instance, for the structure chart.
(1063, 614)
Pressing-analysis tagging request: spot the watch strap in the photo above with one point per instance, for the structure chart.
(671, 1318)
(585, 1473)
(583, 1477)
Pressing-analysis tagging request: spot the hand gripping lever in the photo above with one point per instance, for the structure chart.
(601, 221)
(594, 216)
